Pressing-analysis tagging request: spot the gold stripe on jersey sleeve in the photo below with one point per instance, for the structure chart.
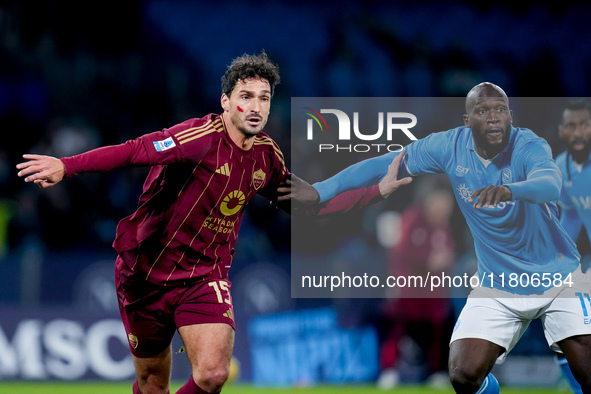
(198, 132)
(202, 127)
(219, 124)
(268, 141)
(203, 134)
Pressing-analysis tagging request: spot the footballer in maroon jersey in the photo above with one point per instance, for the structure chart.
(176, 249)
(194, 197)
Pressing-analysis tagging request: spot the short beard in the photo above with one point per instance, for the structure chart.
(492, 150)
(581, 156)
(249, 133)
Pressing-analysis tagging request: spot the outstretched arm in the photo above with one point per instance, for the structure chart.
(363, 174)
(301, 192)
(160, 147)
(347, 201)
(45, 171)
(360, 175)
(359, 198)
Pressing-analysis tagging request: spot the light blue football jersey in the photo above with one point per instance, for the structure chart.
(575, 197)
(516, 237)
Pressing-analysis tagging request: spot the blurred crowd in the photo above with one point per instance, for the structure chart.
(77, 76)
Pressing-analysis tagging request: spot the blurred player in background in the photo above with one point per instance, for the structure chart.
(506, 185)
(175, 251)
(575, 166)
(575, 198)
(425, 246)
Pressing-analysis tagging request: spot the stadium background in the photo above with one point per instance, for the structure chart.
(75, 76)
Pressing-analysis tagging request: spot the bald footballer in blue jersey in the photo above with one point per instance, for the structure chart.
(506, 184)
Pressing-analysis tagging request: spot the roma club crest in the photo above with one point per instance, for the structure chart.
(258, 178)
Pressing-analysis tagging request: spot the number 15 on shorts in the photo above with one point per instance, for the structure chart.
(219, 287)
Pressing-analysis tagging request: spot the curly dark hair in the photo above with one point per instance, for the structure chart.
(250, 66)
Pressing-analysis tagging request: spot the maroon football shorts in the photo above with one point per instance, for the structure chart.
(151, 313)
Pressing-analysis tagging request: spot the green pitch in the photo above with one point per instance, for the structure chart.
(125, 388)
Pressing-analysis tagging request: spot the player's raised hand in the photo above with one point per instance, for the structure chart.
(491, 196)
(43, 170)
(390, 182)
(298, 190)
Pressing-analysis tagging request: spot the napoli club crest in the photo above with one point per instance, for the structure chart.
(258, 179)
(506, 176)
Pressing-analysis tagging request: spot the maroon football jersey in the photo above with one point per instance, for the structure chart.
(194, 197)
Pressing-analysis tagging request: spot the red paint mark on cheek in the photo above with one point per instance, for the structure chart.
(239, 109)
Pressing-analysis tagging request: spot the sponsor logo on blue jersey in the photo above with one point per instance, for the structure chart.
(582, 202)
(465, 193)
